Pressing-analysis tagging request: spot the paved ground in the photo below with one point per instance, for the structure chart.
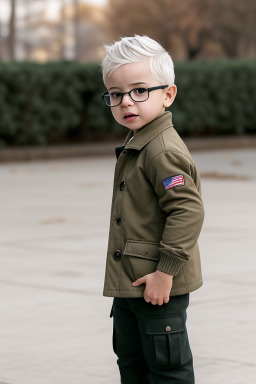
(54, 323)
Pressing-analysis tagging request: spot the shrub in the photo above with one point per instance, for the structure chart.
(61, 102)
(215, 97)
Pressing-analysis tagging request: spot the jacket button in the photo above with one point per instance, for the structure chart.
(168, 328)
(122, 186)
(118, 220)
(117, 255)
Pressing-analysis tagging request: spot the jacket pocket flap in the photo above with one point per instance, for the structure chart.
(142, 249)
(165, 325)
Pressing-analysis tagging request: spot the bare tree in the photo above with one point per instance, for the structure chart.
(195, 24)
(76, 28)
(88, 30)
(15, 22)
(40, 37)
(12, 30)
(63, 29)
(75, 33)
(1, 40)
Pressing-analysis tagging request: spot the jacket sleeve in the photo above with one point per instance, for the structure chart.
(182, 206)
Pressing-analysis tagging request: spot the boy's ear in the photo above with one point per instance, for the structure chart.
(170, 95)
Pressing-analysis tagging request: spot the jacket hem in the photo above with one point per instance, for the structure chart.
(140, 293)
(188, 289)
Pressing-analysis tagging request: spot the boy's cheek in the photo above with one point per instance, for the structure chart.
(117, 116)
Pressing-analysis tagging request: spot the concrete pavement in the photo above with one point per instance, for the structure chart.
(54, 323)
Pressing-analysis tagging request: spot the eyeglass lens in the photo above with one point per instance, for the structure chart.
(137, 95)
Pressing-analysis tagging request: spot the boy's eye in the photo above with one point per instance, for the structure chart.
(115, 95)
(140, 91)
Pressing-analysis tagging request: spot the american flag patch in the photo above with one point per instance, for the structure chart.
(175, 181)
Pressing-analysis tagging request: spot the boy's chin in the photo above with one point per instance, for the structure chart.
(132, 128)
(129, 126)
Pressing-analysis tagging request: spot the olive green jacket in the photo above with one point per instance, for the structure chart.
(153, 226)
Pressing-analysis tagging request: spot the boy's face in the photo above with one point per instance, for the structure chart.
(131, 114)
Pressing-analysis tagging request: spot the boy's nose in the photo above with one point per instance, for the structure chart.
(127, 100)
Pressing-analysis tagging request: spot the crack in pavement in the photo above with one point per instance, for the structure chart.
(49, 288)
(5, 382)
(217, 300)
(223, 360)
(224, 176)
(212, 279)
(243, 230)
(239, 282)
(44, 249)
(85, 236)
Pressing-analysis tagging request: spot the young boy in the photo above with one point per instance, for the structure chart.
(156, 218)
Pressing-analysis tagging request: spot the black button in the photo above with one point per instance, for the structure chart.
(117, 255)
(122, 186)
(118, 220)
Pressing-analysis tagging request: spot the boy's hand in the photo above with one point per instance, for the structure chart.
(158, 287)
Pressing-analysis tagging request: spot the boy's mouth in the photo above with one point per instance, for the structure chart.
(130, 116)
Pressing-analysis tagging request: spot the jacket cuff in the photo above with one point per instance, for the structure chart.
(169, 264)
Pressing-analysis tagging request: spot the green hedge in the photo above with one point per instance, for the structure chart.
(216, 97)
(61, 102)
(54, 102)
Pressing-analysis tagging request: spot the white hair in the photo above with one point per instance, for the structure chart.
(137, 49)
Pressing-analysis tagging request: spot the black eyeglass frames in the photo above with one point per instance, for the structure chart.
(138, 95)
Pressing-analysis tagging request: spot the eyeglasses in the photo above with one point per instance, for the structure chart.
(138, 95)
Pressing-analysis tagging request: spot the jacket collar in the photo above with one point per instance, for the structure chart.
(148, 132)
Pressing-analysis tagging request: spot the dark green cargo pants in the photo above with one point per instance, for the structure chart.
(151, 341)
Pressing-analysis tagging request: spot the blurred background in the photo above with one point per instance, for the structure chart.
(50, 51)
(46, 30)
(54, 322)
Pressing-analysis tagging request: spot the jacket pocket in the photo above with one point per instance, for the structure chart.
(140, 258)
(165, 339)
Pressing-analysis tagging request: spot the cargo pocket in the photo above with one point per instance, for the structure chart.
(140, 258)
(165, 341)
